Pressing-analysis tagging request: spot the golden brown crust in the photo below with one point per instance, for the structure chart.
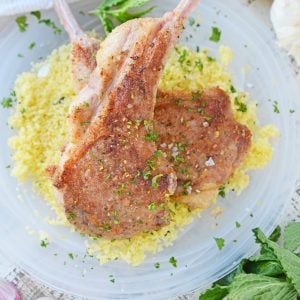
(202, 141)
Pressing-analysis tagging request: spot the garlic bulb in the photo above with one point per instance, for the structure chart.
(285, 16)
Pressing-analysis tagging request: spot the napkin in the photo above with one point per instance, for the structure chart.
(13, 7)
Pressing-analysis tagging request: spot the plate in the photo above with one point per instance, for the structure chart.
(199, 262)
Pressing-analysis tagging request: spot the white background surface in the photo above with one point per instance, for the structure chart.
(261, 8)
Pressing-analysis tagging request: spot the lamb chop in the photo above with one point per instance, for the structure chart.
(111, 177)
(202, 141)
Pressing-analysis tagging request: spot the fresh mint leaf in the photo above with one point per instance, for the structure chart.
(252, 286)
(292, 236)
(267, 268)
(290, 262)
(275, 235)
(215, 34)
(120, 11)
(215, 293)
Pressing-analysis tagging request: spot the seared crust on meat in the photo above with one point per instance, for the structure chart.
(202, 141)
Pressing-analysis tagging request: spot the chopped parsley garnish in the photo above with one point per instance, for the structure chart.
(215, 34)
(112, 279)
(152, 206)
(151, 136)
(158, 153)
(242, 107)
(7, 102)
(121, 189)
(220, 243)
(119, 10)
(157, 265)
(150, 164)
(237, 224)
(71, 255)
(44, 243)
(59, 101)
(51, 24)
(275, 107)
(210, 59)
(154, 181)
(147, 123)
(146, 175)
(31, 45)
(199, 64)
(71, 216)
(183, 56)
(106, 227)
(291, 111)
(232, 89)
(37, 14)
(173, 261)
(179, 101)
(22, 23)
(20, 55)
(180, 147)
(222, 191)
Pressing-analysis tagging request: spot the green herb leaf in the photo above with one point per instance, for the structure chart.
(222, 191)
(215, 34)
(275, 107)
(237, 224)
(154, 180)
(44, 243)
(232, 89)
(37, 14)
(71, 255)
(220, 243)
(31, 45)
(267, 268)
(22, 23)
(173, 262)
(292, 236)
(252, 286)
(275, 235)
(7, 102)
(152, 206)
(242, 107)
(157, 265)
(215, 293)
(151, 136)
(290, 262)
(51, 24)
(118, 10)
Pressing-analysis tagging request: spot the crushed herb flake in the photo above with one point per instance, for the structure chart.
(222, 191)
(151, 136)
(31, 45)
(173, 261)
(22, 23)
(157, 265)
(37, 14)
(275, 107)
(51, 24)
(220, 243)
(154, 180)
(215, 34)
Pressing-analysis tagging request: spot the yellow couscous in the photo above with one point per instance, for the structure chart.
(44, 96)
